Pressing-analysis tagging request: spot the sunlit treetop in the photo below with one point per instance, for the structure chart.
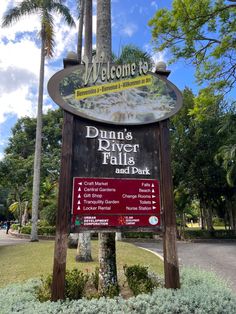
(203, 32)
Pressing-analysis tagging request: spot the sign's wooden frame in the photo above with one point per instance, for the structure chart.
(171, 267)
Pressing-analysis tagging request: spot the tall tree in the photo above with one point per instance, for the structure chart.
(202, 32)
(45, 9)
(107, 249)
(195, 142)
(16, 166)
(80, 29)
(84, 240)
(88, 30)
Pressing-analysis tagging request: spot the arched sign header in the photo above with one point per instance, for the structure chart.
(115, 94)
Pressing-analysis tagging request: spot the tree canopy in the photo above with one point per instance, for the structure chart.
(195, 145)
(202, 32)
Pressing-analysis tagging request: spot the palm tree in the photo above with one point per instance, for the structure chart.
(45, 9)
(80, 30)
(131, 53)
(107, 248)
(88, 29)
(84, 240)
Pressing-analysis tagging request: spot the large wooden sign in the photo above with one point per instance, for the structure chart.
(115, 169)
(114, 140)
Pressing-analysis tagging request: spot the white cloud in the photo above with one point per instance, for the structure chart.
(154, 4)
(156, 55)
(160, 56)
(20, 62)
(1, 156)
(17, 102)
(129, 29)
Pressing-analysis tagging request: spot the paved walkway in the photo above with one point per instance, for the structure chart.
(215, 255)
(7, 239)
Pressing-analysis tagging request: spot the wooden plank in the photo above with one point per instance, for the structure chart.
(171, 267)
(64, 205)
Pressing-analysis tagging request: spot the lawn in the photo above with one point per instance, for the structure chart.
(33, 260)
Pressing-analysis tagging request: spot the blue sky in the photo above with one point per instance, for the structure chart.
(20, 55)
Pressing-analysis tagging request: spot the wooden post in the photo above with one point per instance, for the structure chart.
(64, 205)
(171, 265)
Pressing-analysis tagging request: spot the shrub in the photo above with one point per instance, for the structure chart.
(49, 230)
(218, 221)
(43, 223)
(25, 229)
(46, 230)
(139, 280)
(75, 282)
(205, 234)
(44, 290)
(95, 277)
(15, 226)
(138, 235)
(201, 293)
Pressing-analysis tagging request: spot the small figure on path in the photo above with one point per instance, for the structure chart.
(8, 226)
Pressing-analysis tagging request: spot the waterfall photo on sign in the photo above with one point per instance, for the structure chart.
(118, 94)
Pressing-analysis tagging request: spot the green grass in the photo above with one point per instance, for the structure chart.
(35, 259)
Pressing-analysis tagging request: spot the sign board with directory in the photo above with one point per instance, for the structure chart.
(107, 202)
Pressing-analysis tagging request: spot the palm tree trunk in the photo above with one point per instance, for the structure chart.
(107, 264)
(84, 252)
(80, 31)
(88, 30)
(38, 145)
(84, 247)
(25, 214)
(20, 207)
(107, 249)
(104, 29)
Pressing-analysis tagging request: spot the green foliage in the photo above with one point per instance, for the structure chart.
(195, 141)
(15, 226)
(45, 10)
(131, 53)
(201, 292)
(75, 282)
(226, 156)
(203, 32)
(44, 230)
(205, 234)
(111, 291)
(17, 164)
(95, 277)
(138, 235)
(25, 229)
(138, 279)
(43, 291)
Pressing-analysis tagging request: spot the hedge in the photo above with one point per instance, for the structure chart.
(201, 293)
(205, 234)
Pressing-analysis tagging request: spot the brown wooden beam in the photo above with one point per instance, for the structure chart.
(171, 265)
(64, 205)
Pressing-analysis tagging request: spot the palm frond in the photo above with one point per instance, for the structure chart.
(26, 7)
(13, 207)
(131, 53)
(64, 12)
(48, 33)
